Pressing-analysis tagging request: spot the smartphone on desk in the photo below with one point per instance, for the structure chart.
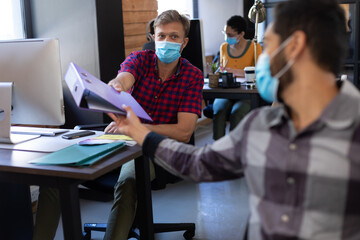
(77, 134)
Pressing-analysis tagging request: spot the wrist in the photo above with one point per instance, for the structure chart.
(139, 134)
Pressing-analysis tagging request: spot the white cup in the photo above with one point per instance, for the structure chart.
(250, 74)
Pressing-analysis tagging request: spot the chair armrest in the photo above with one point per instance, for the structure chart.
(208, 111)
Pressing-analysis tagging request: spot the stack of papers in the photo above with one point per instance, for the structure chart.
(109, 138)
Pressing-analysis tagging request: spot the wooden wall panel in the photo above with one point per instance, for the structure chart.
(134, 29)
(138, 5)
(135, 41)
(136, 15)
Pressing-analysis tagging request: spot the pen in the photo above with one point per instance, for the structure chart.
(217, 70)
(225, 63)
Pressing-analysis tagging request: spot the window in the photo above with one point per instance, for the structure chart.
(11, 22)
(183, 7)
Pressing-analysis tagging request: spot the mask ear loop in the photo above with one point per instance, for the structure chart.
(285, 69)
(289, 63)
(279, 74)
(281, 47)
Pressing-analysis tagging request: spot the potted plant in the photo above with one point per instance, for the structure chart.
(213, 75)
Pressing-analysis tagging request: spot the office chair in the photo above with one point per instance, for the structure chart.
(208, 110)
(105, 186)
(150, 45)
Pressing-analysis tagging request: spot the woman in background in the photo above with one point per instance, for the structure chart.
(235, 54)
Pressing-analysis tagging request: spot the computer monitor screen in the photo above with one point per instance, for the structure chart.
(33, 66)
(194, 51)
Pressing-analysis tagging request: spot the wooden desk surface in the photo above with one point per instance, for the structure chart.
(240, 93)
(241, 89)
(16, 161)
(16, 174)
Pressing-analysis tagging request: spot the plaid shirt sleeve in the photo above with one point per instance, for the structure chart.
(131, 64)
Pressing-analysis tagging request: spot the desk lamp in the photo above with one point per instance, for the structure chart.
(257, 14)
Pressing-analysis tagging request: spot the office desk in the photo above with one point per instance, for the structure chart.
(240, 93)
(16, 174)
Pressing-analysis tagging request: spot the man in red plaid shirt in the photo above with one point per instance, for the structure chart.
(169, 88)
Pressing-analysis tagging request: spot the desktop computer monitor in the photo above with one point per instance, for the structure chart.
(194, 51)
(32, 66)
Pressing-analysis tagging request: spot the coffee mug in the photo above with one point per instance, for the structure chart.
(228, 80)
(250, 74)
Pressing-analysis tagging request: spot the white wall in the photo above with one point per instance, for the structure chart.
(74, 24)
(182, 6)
(214, 14)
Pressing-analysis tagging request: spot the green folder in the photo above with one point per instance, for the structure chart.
(79, 155)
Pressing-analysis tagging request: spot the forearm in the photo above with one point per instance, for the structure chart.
(236, 72)
(187, 161)
(123, 81)
(174, 131)
(140, 134)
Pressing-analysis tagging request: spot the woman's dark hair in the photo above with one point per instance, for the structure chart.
(150, 30)
(237, 23)
(323, 22)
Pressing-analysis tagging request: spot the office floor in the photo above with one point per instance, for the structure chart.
(219, 210)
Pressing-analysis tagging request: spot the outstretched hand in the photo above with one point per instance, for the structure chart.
(129, 125)
(116, 84)
(236, 72)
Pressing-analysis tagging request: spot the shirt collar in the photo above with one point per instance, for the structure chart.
(178, 67)
(342, 112)
(277, 116)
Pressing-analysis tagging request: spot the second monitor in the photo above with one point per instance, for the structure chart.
(194, 50)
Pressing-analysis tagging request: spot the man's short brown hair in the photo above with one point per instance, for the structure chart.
(171, 16)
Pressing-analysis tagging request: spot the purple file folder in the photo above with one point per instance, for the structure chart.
(92, 94)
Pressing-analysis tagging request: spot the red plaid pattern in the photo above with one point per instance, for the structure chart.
(182, 92)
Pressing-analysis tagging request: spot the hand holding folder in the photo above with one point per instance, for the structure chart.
(92, 94)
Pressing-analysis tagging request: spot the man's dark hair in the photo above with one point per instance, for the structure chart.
(237, 23)
(323, 22)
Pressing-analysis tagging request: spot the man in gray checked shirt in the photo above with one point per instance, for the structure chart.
(301, 158)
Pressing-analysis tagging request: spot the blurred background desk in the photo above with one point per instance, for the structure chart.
(239, 93)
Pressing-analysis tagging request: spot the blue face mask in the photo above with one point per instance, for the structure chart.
(231, 40)
(267, 85)
(167, 52)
